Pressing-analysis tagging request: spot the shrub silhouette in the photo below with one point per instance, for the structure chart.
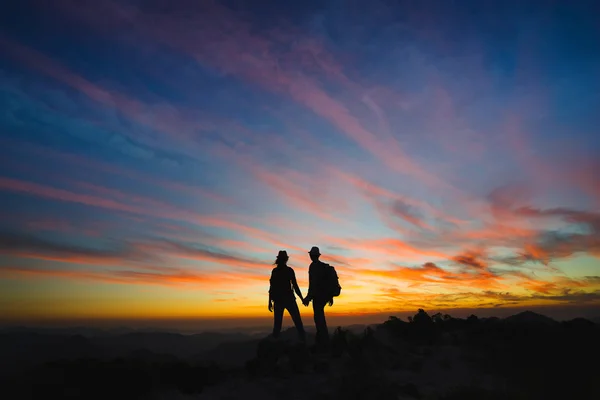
(535, 358)
(339, 342)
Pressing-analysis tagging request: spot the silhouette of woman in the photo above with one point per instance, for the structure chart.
(281, 295)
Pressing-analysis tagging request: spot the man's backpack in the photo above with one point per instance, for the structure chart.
(333, 282)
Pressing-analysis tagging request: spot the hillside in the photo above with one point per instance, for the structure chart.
(530, 317)
(526, 356)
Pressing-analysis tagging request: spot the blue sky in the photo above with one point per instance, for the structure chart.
(441, 155)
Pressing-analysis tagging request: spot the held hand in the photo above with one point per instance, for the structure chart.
(270, 307)
(305, 302)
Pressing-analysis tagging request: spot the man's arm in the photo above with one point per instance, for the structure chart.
(295, 285)
(311, 286)
(270, 296)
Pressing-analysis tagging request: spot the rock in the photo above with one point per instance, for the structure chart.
(321, 366)
(278, 357)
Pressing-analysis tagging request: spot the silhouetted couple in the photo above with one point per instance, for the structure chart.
(281, 295)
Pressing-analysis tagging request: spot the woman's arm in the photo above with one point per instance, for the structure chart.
(295, 285)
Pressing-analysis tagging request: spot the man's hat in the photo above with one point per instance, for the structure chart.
(314, 250)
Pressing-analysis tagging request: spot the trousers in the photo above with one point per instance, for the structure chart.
(322, 337)
(292, 308)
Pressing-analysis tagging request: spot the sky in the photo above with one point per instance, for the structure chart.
(156, 155)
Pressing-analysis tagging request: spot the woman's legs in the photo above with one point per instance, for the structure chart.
(295, 314)
(278, 308)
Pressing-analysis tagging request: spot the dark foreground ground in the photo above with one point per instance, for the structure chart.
(526, 356)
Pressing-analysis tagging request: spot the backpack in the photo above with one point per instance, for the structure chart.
(332, 281)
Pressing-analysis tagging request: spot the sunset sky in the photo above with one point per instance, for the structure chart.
(156, 155)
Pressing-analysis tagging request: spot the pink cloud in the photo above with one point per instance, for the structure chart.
(295, 188)
(63, 195)
(77, 161)
(227, 43)
(40, 222)
(373, 191)
(117, 201)
(390, 247)
(174, 125)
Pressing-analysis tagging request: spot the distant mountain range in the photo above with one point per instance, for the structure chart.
(424, 358)
(23, 346)
(530, 317)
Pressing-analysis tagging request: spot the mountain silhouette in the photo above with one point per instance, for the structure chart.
(530, 317)
(525, 356)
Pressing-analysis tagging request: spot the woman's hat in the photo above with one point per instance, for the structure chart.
(282, 254)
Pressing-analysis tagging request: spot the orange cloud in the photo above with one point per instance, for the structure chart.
(471, 259)
(162, 277)
(430, 273)
(138, 255)
(554, 286)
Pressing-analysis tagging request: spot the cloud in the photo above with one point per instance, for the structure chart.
(393, 298)
(380, 194)
(568, 168)
(409, 214)
(471, 259)
(140, 206)
(195, 253)
(590, 219)
(391, 248)
(503, 199)
(158, 276)
(577, 297)
(138, 254)
(38, 222)
(430, 273)
(595, 280)
(71, 160)
(298, 189)
(176, 129)
(420, 127)
(44, 191)
(275, 60)
(550, 245)
(25, 245)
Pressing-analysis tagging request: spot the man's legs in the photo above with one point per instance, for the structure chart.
(278, 308)
(322, 339)
(292, 308)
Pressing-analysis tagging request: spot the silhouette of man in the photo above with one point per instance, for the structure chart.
(318, 294)
(283, 279)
